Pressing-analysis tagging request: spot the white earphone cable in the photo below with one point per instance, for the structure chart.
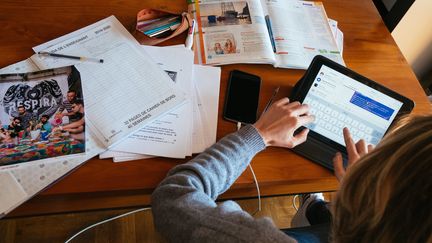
(105, 221)
(258, 190)
(255, 180)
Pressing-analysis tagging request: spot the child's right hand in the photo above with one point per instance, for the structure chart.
(355, 152)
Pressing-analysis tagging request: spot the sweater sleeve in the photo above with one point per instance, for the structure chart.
(183, 204)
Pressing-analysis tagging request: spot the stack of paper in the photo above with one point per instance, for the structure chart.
(140, 102)
(176, 135)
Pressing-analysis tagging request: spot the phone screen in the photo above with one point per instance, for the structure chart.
(241, 102)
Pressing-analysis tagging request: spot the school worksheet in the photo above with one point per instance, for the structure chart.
(126, 91)
(168, 136)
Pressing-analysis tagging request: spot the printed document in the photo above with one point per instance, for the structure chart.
(207, 83)
(169, 135)
(125, 92)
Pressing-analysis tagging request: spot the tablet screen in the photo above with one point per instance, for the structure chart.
(338, 101)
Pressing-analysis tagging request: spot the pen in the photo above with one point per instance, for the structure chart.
(189, 39)
(270, 30)
(71, 57)
(271, 100)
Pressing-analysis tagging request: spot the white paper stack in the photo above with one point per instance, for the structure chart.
(176, 135)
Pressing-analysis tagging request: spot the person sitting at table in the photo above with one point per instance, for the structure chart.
(15, 127)
(26, 118)
(78, 110)
(44, 124)
(76, 129)
(384, 195)
(66, 104)
(77, 126)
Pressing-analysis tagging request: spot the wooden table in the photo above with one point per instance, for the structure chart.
(368, 49)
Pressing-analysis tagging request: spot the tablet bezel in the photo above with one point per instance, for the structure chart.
(305, 83)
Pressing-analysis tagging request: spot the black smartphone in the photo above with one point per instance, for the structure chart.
(242, 97)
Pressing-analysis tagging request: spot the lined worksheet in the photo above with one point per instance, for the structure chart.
(205, 113)
(170, 135)
(122, 94)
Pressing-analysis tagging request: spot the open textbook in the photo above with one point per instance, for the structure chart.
(285, 33)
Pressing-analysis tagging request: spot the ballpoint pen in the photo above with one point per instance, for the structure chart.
(271, 100)
(71, 57)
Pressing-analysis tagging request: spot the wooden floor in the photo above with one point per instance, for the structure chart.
(132, 228)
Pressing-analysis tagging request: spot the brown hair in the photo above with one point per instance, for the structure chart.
(387, 195)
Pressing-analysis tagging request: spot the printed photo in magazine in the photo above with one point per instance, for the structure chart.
(231, 32)
(41, 115)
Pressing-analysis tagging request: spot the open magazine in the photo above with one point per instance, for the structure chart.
(285, 33)
(41, 115)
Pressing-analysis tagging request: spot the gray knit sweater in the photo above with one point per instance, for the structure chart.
(184, 207)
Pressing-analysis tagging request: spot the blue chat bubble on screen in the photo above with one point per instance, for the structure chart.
(372, 106)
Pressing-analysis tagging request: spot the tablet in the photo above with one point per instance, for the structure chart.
(339, 97)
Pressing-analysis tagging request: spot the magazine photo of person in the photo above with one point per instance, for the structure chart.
(220, 44)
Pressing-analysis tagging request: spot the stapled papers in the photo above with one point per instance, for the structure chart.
(167, 136)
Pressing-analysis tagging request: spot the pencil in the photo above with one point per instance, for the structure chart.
(271, 100)
(71, 57)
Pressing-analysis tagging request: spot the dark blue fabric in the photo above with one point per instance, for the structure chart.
(310, 234)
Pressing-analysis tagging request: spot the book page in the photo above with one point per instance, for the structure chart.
(231, 32)
(126, 91)
(301, 31)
